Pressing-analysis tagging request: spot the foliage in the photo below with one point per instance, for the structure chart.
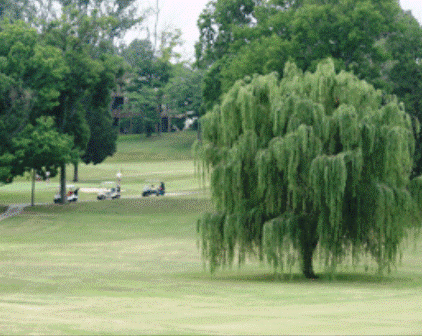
(31, 75)
(103, 136)
(148, 76)
(84, 103)
(183, 93)
(376, 40)
(43, 148)
(17, 9)
(111, 18)
(315, 159)
(216, 25)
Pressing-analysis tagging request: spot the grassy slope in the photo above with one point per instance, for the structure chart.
(167, 147)
(132, 267)
(160, 158)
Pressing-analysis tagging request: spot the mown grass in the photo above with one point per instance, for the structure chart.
(164, 147)
(133, 267)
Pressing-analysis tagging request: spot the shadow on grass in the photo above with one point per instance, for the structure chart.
(124, 207)
(395, 279)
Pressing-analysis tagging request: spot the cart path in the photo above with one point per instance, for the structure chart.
(13, 210)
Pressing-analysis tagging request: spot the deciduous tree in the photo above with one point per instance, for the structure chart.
(312, 160)
(31, 78)
(183, 93)
(374, 39)
(41, 148)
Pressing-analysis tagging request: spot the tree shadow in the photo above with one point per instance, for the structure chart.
(298, 278)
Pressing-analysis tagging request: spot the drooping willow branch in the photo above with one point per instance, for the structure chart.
(314, 159)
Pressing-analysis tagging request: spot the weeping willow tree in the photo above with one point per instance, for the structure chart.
(312, 160)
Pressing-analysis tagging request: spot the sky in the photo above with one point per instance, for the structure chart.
(184, 14)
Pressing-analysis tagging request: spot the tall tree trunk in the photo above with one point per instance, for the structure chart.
(33, 188)
(75, 172)
(157, 13)
(198, 134)
(63, 184)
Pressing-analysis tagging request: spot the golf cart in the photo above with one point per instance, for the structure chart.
(149, 189)
(108, 190)
(71, 194)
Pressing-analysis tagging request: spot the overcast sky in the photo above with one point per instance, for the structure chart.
(184, 14)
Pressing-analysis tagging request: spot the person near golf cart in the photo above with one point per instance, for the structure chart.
(149, 189)
(161, 189)
(71, 195)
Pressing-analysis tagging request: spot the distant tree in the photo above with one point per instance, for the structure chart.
(17, 10)
(314, 159)
(147, 77)
(103, 135)
(118, 15)
(92, 29)
(94, 76)
(31, 78)
(217, 26)
(183, 92)
(41, 149)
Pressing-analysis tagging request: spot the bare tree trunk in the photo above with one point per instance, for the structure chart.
(33, 188)
(198, 134)
(75, 172)
(63, 184)
(157, 12)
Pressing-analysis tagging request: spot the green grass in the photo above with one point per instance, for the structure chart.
(132, 266)
(164, 147)
(165, 158)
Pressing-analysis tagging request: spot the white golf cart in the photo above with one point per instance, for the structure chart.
(71, 194)
(108, 190)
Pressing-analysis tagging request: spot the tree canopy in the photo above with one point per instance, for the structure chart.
(182, 92)
(84, 38)
(316, 159)
(31, 75)
(376, 40)
(42, 148)
(60, 70)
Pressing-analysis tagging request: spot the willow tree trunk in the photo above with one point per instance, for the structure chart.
(308, 240)
(75, 172)
(63, 184)
(307, 257)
